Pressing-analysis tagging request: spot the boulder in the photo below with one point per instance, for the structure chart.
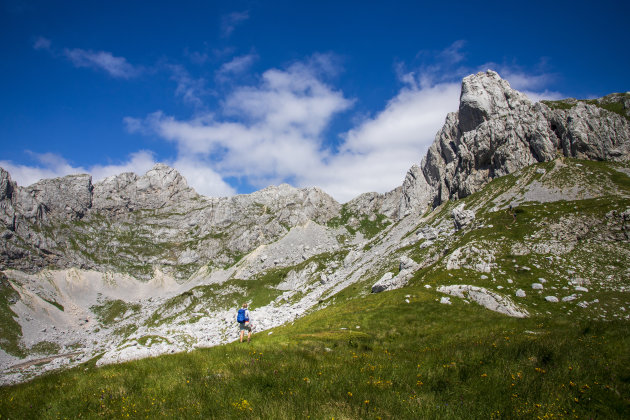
(461, 217)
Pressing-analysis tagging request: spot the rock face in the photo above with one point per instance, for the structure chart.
(66, 198)
(497, 131)
(132, 223)
(159, 187)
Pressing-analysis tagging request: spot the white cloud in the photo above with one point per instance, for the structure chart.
(376, 155)
(197, 172)
(42, 43)
(231, 20)
(115, 66)
(202, 177)
(543, 95)
(236, 66)
(191, 90)
(276, 132)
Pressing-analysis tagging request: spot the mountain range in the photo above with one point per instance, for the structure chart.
(136, 266)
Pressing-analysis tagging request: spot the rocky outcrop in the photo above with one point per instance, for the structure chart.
(497, 131)
(462, 217)
(406, 268)
(160, 187)
(135, 223)
(66, 198)
(587, 131)
(370, 204)
(486, 298)
(416, 193)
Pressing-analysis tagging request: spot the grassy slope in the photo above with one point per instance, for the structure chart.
(408, 360)
(412, 357)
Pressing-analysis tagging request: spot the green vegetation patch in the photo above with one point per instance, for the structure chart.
(369, 228)
(562, 104)
(45, 348)
(113, 311)
(55, 304)
(10, 329)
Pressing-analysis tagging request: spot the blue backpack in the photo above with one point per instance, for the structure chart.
(241, 316)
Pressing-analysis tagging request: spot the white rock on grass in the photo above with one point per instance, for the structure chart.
(407, 267)
(581, 289)
(486, 298)
(520, 293)
(445, 300)
(552, 299)
(537, 286)
(569, 298)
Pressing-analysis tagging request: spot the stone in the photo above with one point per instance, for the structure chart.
(537, 286)
(520, 293)
(461, 217)
(552, 299)
(406, 263)
(490, 300)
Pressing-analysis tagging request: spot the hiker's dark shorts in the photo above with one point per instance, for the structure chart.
(244, 326)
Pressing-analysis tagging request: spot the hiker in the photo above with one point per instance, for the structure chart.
(243, 321)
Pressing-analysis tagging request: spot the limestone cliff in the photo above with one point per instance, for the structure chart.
(498, 130)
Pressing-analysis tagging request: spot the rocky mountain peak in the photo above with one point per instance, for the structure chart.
(498, 131)
(162, 176)
(486, 95)
(159, 187)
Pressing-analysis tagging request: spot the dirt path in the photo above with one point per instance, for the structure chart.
(42, 360)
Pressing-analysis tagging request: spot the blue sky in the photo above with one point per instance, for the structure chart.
(344, 95)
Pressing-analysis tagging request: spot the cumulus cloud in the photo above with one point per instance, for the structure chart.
(377, 153)
(102, 60)
(230, 21)
(275, 130)
(202, 177)
(138, 162)
(270, 132)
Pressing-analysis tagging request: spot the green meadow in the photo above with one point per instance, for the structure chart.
(375, 357)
